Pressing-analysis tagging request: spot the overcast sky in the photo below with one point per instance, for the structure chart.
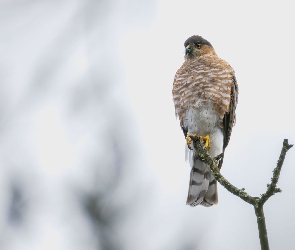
(53, 51)
(256, 38)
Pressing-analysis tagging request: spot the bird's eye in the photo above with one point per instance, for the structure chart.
(198, 46)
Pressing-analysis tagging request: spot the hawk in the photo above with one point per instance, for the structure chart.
(205, 95)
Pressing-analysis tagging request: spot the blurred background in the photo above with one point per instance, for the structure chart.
(91, 155)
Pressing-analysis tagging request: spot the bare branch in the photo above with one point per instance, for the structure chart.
(272, 187)
(213, 164)
(257, 202)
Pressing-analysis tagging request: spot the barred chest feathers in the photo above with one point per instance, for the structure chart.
(202, 92)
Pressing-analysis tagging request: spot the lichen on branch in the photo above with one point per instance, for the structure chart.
(257, 202)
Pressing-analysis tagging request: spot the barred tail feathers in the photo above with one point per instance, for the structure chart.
(202, 185)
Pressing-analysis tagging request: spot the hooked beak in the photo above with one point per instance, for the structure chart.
(188, 49)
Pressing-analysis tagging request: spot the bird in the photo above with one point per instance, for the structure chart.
(205, 96)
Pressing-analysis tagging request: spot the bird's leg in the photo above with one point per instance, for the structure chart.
(206, 139)
(189, 139)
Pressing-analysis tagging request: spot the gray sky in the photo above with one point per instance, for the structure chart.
(53, 52)
(257, 39)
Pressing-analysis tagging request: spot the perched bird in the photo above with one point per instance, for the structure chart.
(205, 95)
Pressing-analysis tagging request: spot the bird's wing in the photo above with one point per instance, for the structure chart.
(229, 118)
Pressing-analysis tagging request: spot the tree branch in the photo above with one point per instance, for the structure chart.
(272, 187)
(257, 202)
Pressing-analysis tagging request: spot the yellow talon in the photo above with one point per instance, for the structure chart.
(189, 139)
(206, 139)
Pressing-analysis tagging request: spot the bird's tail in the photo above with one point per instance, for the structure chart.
(202, 185)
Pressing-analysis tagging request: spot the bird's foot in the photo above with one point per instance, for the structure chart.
(189, 139)
(206, 140)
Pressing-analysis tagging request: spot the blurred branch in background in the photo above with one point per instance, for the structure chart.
(70, 154)
(73, 171)
(85, 97)
(257, 202)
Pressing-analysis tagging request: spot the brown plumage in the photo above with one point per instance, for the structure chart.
(205, 95)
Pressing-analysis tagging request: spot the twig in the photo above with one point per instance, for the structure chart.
(255, 201)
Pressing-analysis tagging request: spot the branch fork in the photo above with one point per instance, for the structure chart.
(257, 202)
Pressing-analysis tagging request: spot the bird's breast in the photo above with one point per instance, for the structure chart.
(201, 119)
(201, 92)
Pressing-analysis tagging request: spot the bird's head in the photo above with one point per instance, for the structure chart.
(196, 46)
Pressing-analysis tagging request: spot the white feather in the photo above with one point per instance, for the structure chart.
(203, 122)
